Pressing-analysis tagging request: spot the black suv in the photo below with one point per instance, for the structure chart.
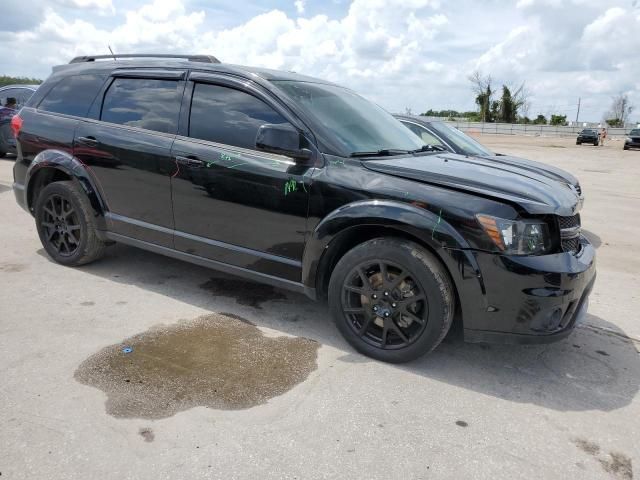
(588, 135)
(302, 184)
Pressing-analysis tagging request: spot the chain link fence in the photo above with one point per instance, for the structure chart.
(530, 129)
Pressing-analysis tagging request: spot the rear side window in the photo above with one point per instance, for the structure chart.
(229, 116)
(72, 95)
(14, 98)
(145, 103)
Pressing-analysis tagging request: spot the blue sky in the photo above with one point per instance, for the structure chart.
(414, 54)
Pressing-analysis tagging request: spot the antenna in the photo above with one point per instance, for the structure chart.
(113, 54)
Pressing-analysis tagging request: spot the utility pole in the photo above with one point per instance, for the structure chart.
(578, 112)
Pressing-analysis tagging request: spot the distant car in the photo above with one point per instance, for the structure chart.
(588, 135)
(633, 140)
(442, 136)
(12, 98)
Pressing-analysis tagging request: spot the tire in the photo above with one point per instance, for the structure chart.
(596, 144)
(578, 143)
(625, 148)
(3, 154)
(64, 215)
(425, 293)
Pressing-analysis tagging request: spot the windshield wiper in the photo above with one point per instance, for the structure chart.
(385, 152)
(430, 148)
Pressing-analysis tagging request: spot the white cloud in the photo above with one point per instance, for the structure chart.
(400, 53)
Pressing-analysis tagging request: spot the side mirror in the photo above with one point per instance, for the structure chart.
(283, 139)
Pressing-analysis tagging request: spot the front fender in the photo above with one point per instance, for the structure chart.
(426, 227)
(71, 167)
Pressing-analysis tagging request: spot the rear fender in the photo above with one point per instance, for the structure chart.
(71, 167)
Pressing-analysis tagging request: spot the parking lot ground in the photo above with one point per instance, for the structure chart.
(84, 354)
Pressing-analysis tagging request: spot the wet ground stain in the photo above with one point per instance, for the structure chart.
(87, 304)
(617, 464)
(214, 361)
(462, 423)
(245, 293)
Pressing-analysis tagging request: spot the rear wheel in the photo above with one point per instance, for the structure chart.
(66, 225)
(391, 299)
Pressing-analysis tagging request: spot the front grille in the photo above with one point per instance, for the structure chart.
(570, 233)
(569, 222)
(570, 245)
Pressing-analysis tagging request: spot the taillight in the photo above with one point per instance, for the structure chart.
(16, 125)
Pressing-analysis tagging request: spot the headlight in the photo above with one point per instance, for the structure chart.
(628, 139)
(517, 237)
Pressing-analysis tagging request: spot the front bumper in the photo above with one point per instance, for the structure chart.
(632, 144)
(537, 299)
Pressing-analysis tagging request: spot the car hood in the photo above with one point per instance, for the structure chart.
(538, 167)
(538, 192)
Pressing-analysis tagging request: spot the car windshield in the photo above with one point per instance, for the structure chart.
(635, 132)
(360, 125)
(461, 140)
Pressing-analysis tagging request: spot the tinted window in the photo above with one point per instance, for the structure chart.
(360, 125)
(426, 136)
(144, 103)
(229, 116)
(72, 95)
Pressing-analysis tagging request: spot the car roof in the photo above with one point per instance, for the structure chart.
(245, 71)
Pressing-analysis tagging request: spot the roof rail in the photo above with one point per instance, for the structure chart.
(191, 58)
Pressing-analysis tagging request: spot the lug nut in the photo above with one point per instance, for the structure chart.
(394, 304)
(386, 294)
(375, 308)
(386, 314)
(374, 296)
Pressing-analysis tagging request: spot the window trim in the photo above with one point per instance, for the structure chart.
(102, 95)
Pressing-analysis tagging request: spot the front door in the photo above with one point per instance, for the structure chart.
(129, 153)
(232, 203)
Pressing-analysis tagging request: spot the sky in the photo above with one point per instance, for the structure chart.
(402, 54)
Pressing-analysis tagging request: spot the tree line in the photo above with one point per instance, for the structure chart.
(7, 80)
(511, 104)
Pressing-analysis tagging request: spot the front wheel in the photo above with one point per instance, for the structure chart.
(66, 224)
(391, 299)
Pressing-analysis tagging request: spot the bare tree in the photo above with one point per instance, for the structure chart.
(620, 110)
(481, 86)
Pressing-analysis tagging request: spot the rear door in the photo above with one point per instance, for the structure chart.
(233, 203)
(127, 145)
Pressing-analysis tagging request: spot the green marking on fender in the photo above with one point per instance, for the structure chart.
(290, 186)
(437, 223)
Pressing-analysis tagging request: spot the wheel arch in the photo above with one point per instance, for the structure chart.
(361, 221)
(56, 165)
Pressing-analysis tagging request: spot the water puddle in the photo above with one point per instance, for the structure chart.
(214, 361)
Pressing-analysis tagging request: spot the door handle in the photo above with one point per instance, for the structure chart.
(189, 162)
(89, 141)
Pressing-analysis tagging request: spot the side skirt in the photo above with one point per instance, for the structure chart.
(215, 265)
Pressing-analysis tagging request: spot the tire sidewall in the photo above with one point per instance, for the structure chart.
(425, 270)
(67, 191)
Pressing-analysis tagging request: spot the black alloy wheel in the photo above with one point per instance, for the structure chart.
(391, 299)
(66, 224)
(384, 304)
(61, 225)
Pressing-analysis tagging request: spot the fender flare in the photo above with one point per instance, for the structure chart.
(66, 163)
(428, 228)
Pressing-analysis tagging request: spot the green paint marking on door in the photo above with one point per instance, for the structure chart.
(290, 186)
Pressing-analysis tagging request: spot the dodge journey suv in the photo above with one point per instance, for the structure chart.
(304, 185)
